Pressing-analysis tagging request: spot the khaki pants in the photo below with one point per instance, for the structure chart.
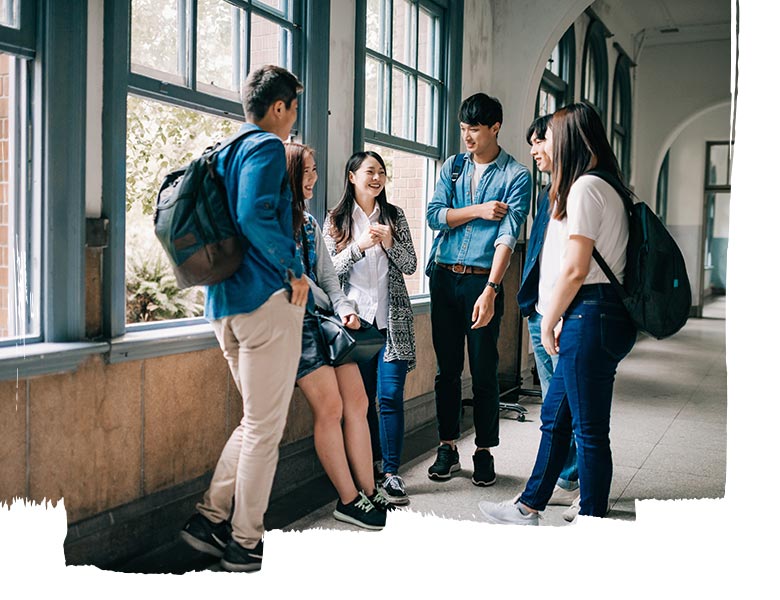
(262, 349)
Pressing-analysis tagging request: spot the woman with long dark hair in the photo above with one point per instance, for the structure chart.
(334, 393)
(583, 320)
(372, 250)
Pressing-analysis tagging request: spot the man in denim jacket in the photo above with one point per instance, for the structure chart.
(481, 216)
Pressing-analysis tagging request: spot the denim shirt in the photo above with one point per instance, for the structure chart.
(474, 243)
(254, 171)
(528, 294)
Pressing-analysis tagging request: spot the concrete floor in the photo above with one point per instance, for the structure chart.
(668, 436)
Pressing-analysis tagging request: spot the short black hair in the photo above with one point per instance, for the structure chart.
(267, 85)
(481, 109)
(538, 127)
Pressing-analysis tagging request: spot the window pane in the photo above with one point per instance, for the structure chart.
(718, 169)
(376, 96)
(377, 36)
(617, 109)
(160, 137)
(547, 103)
(410, 181)
(554, 62)
(590, 76)
(403, 101)
(428, 44)
(404, 15)
(158, 38)
(427, 112)
(271, 44)
(283, 6)
(19, 247)
(9, 13)
(220, 28)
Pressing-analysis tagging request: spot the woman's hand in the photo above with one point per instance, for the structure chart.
(551, 332)
(351, 321)
(384, 233)
(367, 239)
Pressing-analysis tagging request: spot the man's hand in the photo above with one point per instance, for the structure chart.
(351, 321)
(492, 211)
(300, 291)
(484, 308)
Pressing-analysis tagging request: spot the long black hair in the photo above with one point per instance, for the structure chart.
(296, 156)
(579, 145)
(341, 215)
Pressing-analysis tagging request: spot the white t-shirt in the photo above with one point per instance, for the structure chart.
(479, 171)
(368, 284)
(593, 210)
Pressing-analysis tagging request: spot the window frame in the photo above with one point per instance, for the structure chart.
(595, 43)
(662, 189)
(310, 56)
(560, 86)
(621, 87)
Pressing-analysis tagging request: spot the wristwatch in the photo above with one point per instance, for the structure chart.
(496, 286)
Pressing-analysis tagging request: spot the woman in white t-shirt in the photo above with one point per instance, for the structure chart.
(583, 321)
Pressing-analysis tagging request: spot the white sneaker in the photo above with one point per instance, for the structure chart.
(563, 497)
(507, 513)
(571, 513)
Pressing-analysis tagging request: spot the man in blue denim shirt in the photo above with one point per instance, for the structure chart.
(257, 316)
(481, 222)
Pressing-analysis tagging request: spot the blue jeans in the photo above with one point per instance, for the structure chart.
(597, 334)
(545, 366)
(385, 381)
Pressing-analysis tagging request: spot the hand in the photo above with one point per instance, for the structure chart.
(492, 211)
(550, 331)
(351, 321)
(484, 308)
(300, 291)
(367, 239)
(385, 234)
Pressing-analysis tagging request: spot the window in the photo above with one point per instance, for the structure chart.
(401, 111)
(662, 189)
(717, 193)
(556, 88)
(187, 61)
(594, 68)
(621, 115)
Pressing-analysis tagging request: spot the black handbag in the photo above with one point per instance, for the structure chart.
(344, 345)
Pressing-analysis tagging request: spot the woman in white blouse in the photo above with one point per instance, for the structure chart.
(584, 321)
(372, 250)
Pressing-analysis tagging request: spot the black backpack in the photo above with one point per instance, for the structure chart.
(656, 290)
(457, 169)
(193, 222)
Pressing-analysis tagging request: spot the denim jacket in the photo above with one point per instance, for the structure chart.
(528, 294)
(474, 243)
(254, 171)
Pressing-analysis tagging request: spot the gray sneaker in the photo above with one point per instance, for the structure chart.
(507, 513)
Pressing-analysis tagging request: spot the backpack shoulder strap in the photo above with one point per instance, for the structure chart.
(457, 169)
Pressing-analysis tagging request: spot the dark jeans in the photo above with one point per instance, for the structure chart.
(597, 334)
(385, 381)
(452, 303)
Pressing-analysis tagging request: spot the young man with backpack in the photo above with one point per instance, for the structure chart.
(257, 316)
(480, 213)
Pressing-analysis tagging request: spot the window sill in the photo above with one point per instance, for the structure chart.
(150, 343)
(30, 360)
(421, 305)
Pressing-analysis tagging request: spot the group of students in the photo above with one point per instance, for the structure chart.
(355, 264)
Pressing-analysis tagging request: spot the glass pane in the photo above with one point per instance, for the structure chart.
(554, 62)
(590, 76)
(718, 169)
(404, 15)
(403, 103)
(376, 95)
(410, 180)
(427, 112)
(547, 102)
(160, 137)
(617, 109)
(158, 37)
(220, 32)
(271, 44)
(283, 6)
(19, 221)
(377, 31)
(9, 13)
(428, 44)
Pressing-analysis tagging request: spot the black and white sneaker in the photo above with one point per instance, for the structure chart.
(380, 500)
(484, 472)
(447, 462)
(395, 489)
(239, 559)
(206, 536)
(361, 512)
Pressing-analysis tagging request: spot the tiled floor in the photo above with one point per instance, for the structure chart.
(668, 436)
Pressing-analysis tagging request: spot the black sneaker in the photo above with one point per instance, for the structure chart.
(484, 473)
(380, 501)
(395, 489)
(447, 463)
(360, 512)
(238, 558)
(206, 536)
(379, 475)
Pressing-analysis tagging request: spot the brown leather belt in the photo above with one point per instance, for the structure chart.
(465, 269)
